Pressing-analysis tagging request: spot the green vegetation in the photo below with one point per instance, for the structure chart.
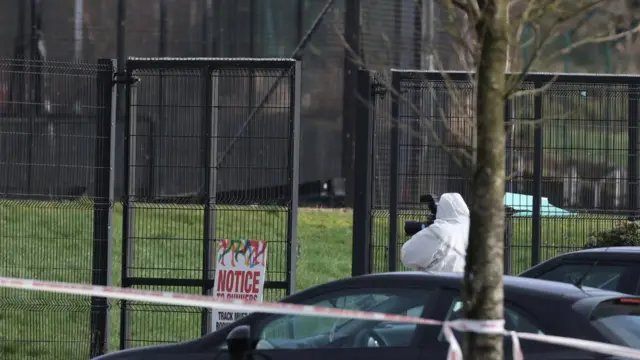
(53, 241)
(626, 233)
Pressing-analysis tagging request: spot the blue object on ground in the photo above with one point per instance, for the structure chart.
(522, 206)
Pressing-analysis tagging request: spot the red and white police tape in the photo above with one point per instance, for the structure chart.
(455, 353)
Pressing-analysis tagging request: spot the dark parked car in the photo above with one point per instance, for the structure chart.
(531, 305)
(613, 268)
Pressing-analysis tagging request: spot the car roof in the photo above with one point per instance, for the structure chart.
(512, 284)
(627, 253)
(611, 249)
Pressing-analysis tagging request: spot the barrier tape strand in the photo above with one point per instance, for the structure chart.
(495, 327)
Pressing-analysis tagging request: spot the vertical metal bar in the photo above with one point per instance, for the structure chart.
(397, 33)
(102, 214)
(121, 55)
(162, 40)
(252, 77)
(252, 27)
(633, 155)
(120, 87)
(234, 34)
(363, 176)
(120, 25)
(17, 85)
(20, 33)
(536, 221)
(394, 172)
(78, 28)
(33, 43)
(300, 20)
(417, 34)
(33, 69)
(294, 169)
(36, 37)
(204, 31)
(32, 128)
(508, 233)
(352, 50)
(432, 34)
(128, 210)
(156, 124)
(121, 35)
(210, 128)
(221, 15)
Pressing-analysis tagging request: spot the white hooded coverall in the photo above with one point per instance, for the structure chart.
(442, 246)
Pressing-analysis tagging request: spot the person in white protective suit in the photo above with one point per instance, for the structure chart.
(442, 246)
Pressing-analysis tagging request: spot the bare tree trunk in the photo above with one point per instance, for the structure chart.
(483, 293)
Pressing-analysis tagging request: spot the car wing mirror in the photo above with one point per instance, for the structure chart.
(240, 343)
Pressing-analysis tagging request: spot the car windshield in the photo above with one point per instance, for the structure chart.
(598, 276)
(619, 321)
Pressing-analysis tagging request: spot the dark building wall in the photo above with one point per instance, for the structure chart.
(239, 28)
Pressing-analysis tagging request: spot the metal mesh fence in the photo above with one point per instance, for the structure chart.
(584, 164)
(584, 155)
(429, 147)
(49, 160)
(241, 190)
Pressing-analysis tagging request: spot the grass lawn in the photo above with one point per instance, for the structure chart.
(53, 241)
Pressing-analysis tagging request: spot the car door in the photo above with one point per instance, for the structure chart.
(517, 319)
(307, 337)
(608, 275)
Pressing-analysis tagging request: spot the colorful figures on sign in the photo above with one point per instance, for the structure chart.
(251, 250)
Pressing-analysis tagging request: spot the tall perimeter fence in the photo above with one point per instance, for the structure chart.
(226, 132)
(574, 172)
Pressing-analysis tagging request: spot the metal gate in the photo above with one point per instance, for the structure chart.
(210, 152)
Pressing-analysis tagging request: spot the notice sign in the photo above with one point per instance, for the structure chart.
(240, 272)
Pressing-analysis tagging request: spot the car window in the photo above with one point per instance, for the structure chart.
(619, 321)
(297, 331)
(514, 318)
(598, 276)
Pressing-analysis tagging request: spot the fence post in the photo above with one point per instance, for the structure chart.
(536, 221)
(394, 171)
(352, 55)
(633, 168)
(130, 197)
(102, 206)
(362, 176)
(508, 223)
(294, 177)
(209, 156)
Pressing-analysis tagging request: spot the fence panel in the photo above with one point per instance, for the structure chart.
(55, 205)
(578, 159)
(224, 136)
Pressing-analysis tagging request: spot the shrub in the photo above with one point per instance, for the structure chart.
(626, 233)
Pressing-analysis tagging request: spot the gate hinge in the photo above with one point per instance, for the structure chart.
(378, 89)
(124, 78)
